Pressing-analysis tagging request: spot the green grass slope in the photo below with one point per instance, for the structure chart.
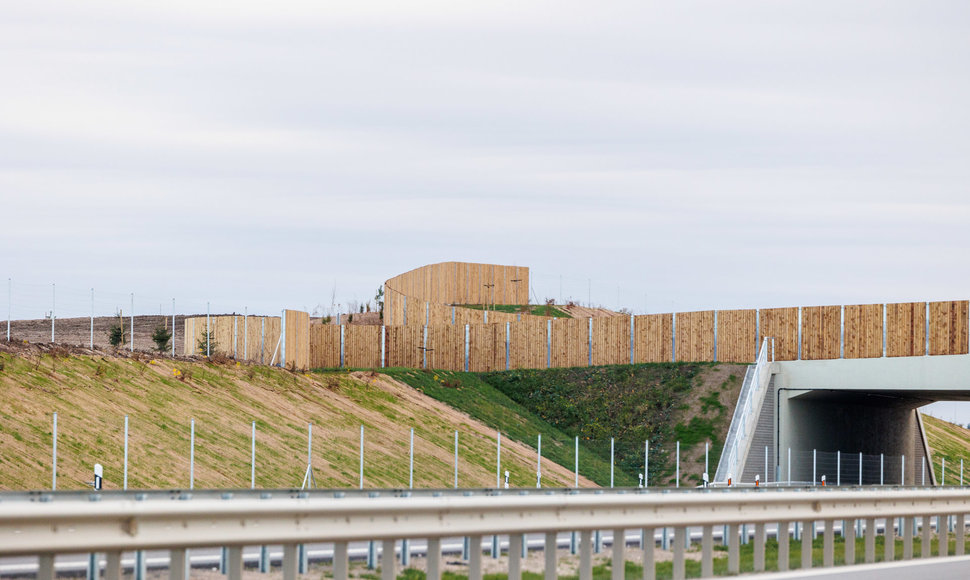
(950, 442)
(661, 403)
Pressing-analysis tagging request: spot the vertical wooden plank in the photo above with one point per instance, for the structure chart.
(863, 331)
(652, 337)
(821, 332)
(906, 329)
(736, 340)
(948, 327)
(695, 336)
(781, 323)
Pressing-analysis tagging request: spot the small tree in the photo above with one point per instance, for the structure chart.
(379, 300)
(161, 337)
(207, 344)
(116, 336)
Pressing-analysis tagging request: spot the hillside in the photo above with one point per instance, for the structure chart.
(92, 392)
(950, 442)
(662, 403)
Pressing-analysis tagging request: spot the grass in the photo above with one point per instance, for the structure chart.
(534, 309)
(469, 393)
(92, 395)
(950, 442)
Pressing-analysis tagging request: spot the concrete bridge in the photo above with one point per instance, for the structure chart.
(851, 419)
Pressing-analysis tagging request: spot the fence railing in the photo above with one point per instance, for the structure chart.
(745, 420)
(51, 527)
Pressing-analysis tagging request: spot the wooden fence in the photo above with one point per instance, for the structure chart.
(408, 296)
(808, 333)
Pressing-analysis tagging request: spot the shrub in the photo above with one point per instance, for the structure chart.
(161, 337)
(116, 336)
(207, 344)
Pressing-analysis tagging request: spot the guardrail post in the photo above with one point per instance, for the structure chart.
(598, 542)
(926, 545)
(289, 562)
(235, 563)
(372, 555)
(341, 562)
(828, 543)
(619, 545)
(112, 568)
(783, 546)
(474, 559)
(908, 532)
(707, 552)
(585, 557)
(496, 549)
(734, 562)
(178, 564)
(264, 561)
(434, 560)
(759, 547)
(848, 531)
(806, 544)
(870, 540)
(550, 558)
(680, 538)
(45, 562)
(388, 563)
(515, 558)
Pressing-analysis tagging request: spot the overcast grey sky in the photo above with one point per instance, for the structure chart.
(680, 155)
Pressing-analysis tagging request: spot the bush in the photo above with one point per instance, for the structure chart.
(207, 344)
(116, 336)
(161, 337)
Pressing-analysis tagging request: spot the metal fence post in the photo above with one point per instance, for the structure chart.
(589, 339)
(498, 458)
(508, 341)
(125, 482)
(192, 454)
(361, 457)
(173, 328)
(131, 326)
(54, 461)
(53, 308)
(549, 344)
(91, 345)
(9, 305)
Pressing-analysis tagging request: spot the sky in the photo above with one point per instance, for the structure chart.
(655, 156)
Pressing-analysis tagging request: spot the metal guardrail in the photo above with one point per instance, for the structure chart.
(745, 419)
(46, 528)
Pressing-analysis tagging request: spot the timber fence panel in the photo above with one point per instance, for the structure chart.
(297, 340)
(906, 329)
(486, 350)
(948, 327)
(362, 346)
(440, 314)
(446, 347)
(189, 336)
(570, 342)
(737, 339)
(403, 346)
(324, 346)
(652, 338)
(863, 331)
(528, 346)
(781, 323)
(469, 316)
(821, 332)
(695, 336)
(611, 340)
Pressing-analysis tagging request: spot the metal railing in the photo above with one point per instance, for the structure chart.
(48, 528)
(745, 420)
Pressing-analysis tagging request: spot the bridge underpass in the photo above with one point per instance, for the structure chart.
(827, 412)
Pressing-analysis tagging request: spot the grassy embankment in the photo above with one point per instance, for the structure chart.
(661, 403)
(535, 309)
(92, 395)
(950, 442)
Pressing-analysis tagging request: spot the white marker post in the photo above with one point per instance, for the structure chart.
(539, 463)
(252, 461)
(54, 464)
(125, 484)
(361, 457)
(98, 476)
(192, 454)
(498, 458)
(456, 459)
